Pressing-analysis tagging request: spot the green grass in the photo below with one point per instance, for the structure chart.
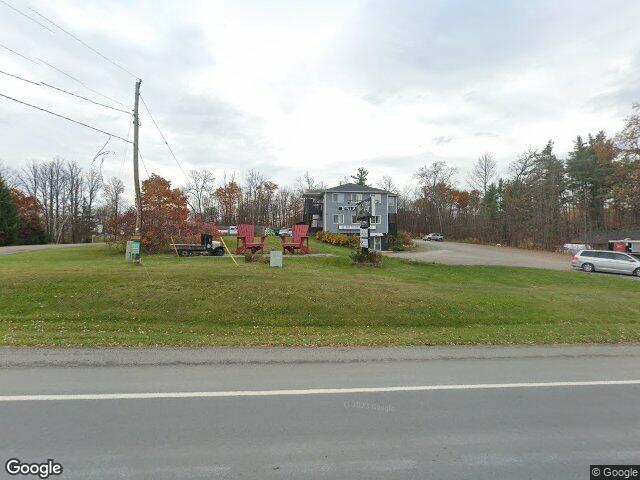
(91, 297)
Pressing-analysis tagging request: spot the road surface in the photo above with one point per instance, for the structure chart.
(452, 253)
(405, 413)
(32, 248)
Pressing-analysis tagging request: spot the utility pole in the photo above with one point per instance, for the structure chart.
(136, 238)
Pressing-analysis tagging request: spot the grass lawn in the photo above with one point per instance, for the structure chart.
(91, 297)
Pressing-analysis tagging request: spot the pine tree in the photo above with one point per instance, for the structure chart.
(361, 176)
(9, 222)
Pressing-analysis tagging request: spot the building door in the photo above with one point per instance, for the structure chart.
(377, 243)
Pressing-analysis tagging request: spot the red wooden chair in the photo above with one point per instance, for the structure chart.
(298, 240)
(246, 241)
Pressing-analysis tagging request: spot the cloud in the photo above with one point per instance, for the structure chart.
(288, 86)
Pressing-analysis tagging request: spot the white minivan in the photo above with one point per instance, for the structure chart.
(606, 261)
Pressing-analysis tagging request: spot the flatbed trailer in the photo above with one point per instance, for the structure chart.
(207, 246)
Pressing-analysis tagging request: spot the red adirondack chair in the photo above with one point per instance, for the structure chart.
(246, 241)
(298, 240)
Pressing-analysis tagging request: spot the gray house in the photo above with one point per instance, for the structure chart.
(333, 210)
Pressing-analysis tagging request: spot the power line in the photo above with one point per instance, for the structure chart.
(19, 54)
(143, 164)
(19, 78)
(27, 16)
(126, 149)
(84, 98)
(82, 42)
(80, 82)
(62, 116)
(44, 84)
(163, 137)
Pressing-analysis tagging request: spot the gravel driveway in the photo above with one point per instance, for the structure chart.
(452, 253)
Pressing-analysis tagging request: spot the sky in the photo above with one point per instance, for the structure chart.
(327, 86)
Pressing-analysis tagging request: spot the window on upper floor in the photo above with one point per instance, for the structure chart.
(392, 201)
(376, 220)
(338, 218)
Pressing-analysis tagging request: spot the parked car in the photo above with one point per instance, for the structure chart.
(284, 232)
(606, 261)
(436, 237)
(233, 229)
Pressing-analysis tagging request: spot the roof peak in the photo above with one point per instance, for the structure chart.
(354, 187)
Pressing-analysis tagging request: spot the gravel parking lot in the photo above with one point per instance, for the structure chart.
(451, 253)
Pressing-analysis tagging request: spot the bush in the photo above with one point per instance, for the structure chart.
(339, 239)
(366, 258)
(250, 257)
(400, 242)
(118, 244)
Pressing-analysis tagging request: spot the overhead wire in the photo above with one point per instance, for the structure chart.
(76, 38)
(27, 16)
(64, 117)
(80, 82)
(17, 53)
(44, 84)
(163, 137)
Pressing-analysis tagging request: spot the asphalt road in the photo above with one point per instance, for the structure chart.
(32, 248)
(452, 253)
(257, 427)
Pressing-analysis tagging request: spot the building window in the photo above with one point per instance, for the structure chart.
(392, 201)
(338, 219)
(353, 197)
(337, 197)
(376, 220)
(354, 219)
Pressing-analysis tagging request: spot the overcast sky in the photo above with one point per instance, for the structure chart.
(325, 86)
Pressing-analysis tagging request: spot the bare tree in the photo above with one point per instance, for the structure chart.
(435, 181)
(8, 175)
(29, 178)
(483, 173)
(199, 191)
(388, 184)
(113, 190)
(75, 186)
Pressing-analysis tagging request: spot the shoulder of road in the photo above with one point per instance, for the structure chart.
(72, 357)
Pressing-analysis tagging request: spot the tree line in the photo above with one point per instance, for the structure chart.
(541, 202)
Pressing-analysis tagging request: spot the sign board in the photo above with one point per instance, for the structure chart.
(364, 242)
(349, 227)
(364, 233)
(275, 258)
(135, 247)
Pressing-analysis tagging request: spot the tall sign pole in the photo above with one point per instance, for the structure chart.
(364, 212)
(135, 239)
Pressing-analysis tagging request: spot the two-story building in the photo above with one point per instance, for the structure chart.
(333, 210)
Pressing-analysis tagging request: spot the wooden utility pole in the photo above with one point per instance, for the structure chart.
(136, 177)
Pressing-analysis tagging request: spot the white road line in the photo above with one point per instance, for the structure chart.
(309, 391)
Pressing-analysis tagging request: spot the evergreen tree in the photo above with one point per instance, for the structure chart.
(9, 222)
(361, 176)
